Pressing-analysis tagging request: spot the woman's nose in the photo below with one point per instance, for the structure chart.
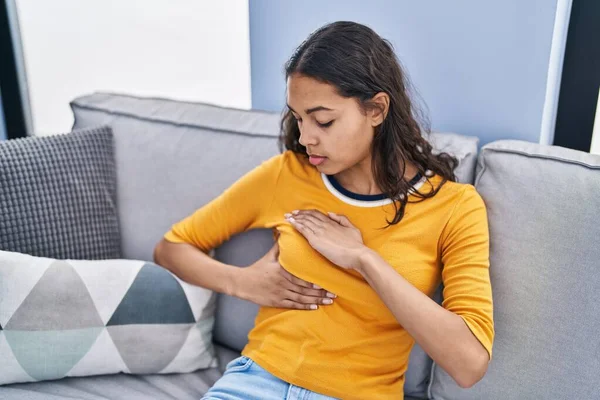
(306, 138)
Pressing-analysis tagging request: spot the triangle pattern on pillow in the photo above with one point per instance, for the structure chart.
(15, 286)
(197, 351)
(133, 342)
(46, 355)
(203, 302)
(10, 369)
(102, 358)
(154, 297)
(107, 281)
(59, 301)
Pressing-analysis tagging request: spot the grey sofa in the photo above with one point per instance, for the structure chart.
(544, 213)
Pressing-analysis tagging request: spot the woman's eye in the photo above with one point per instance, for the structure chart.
(326, 124)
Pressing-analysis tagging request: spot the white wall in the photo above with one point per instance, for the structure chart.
(183, 49)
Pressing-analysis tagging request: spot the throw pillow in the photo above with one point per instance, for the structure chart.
(58, 196)
(63, 318)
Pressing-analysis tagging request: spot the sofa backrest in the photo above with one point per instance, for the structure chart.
(173, 157)
(543, 207)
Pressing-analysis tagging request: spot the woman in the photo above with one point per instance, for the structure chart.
(368, 224)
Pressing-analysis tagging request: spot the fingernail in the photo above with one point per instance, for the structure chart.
(327, 301)
(316, 286)
(295, 212)
(314, 306)
(333, 296)
(287, 215)
(291, 219)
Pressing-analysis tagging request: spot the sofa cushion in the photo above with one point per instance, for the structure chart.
(225, 355)
(544, 210)
(58, 196)
(188, 386)
(464, 148)
(76, 318)
(173, 157)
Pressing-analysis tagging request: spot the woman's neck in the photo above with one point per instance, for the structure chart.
(359, 178)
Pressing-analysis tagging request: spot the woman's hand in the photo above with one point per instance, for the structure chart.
(266, 283)
(332, 235)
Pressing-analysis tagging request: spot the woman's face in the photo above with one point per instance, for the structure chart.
(331, 126)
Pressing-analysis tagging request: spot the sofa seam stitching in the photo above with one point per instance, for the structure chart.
(541, 156)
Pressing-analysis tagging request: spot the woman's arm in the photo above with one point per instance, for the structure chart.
(196, 267)
(265, 282)
(442, 334)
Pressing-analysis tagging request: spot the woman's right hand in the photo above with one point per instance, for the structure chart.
(266, 283)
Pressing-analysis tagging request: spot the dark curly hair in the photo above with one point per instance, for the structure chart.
(359, 64)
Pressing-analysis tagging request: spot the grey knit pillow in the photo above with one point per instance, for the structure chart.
(58, 196)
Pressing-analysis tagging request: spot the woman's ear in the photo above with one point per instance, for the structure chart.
(379, 110)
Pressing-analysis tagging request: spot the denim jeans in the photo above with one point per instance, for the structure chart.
(246, 380)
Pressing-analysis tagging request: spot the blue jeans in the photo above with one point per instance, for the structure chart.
(246, 380)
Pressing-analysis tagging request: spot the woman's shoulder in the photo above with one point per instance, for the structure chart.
(289, 165)
(288, 158)
(459, 203)
(297, 164)
(452, 193)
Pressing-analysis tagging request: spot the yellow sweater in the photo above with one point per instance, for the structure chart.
(355, 348)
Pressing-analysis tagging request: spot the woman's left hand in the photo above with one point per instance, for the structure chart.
(332, 235)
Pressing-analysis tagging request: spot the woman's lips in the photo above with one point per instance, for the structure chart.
(317, 160)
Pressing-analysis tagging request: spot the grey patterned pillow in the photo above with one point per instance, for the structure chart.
(58, 196)
(63, 318)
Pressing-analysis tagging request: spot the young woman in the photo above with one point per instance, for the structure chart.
(368, 223)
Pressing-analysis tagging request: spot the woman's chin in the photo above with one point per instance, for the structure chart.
(324, 168)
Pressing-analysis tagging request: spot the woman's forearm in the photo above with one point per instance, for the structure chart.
(441, 333)
(195, 267)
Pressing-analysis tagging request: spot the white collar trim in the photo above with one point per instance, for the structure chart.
(365, 203)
